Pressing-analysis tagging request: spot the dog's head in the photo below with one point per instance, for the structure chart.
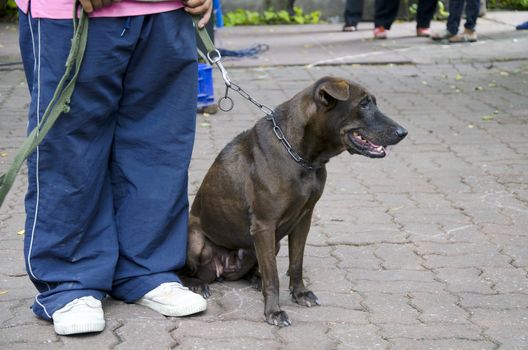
(354, 118)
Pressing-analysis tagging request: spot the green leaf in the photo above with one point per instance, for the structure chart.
(245, 17)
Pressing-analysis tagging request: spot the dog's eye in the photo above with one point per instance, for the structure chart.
(364, 103)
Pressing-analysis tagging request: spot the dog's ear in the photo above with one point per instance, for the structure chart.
(331, 90)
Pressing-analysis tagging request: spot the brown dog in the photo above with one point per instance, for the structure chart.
(259, 190)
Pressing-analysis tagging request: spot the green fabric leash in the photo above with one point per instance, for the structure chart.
(61, 98)
(59, 103)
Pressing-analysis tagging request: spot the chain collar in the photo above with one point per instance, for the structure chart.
(270, 115)
(226, 103)
(280, 136)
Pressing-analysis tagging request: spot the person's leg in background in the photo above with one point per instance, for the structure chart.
(453, 21)
(353, 14)
(151, 155)
(424, 15)
(385, 12)
(455, 14)
(472, 13)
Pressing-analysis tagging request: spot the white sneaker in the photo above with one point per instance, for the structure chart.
(442, 35)
(173, 299)
(82, 315)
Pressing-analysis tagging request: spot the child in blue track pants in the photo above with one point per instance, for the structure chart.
(107, 204)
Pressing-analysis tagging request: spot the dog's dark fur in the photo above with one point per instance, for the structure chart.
(255, 194)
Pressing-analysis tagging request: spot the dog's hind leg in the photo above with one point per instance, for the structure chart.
(207, 262)
(200, 269)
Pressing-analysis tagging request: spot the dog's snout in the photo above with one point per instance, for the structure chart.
(401, 132)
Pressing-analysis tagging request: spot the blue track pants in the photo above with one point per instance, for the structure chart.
(107, 204)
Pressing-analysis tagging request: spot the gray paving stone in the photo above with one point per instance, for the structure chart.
(438, 306)
(228, 344)
(356, 337)
(349, 300)
(32, 333)
(494, 301)
(427, 232)
(506, 326)
(447, 344)
(495, 259)
(307, 336)
(133, 335)
(232, 329)
(117, 310)
(382, 235)
(5, 310)
(31, 346)
(21, 314)
(510, 280)
(357, 257)
(431, 331)
(455, 248)
(464, 279)
(505, 317)
(107, 339)
(390, 308)
(399, 257)
(396, 286)
(325, 313)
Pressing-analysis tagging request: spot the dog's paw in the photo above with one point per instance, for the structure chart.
(279, 318)
(202, 289)
(306, 298)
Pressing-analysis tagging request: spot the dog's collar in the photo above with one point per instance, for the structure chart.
(282, 138)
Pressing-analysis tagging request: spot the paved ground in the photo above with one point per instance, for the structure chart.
(427, 249)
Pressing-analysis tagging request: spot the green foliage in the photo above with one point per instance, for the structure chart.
(241, 17)
(508, 4)
(8, 9)
(440, 14)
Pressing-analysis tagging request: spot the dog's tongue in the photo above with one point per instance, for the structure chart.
(387, 150)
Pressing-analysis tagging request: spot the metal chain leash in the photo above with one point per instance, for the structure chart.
(226, 104)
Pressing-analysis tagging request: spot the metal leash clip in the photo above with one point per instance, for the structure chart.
(225, 103)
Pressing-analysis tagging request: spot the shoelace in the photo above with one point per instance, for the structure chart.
(76, 302)
(170, 285)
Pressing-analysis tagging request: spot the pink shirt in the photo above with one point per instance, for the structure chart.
(62, 9)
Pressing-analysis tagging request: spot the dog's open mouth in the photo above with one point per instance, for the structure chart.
(366, 147)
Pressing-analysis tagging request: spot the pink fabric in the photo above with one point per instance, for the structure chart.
(62, 9)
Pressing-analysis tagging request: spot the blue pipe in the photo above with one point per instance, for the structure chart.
(218, 13)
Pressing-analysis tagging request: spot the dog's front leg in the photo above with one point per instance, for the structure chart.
(264, 238)
(296, 243)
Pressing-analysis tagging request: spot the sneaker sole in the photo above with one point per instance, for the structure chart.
(79, 328)
(174, 311)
